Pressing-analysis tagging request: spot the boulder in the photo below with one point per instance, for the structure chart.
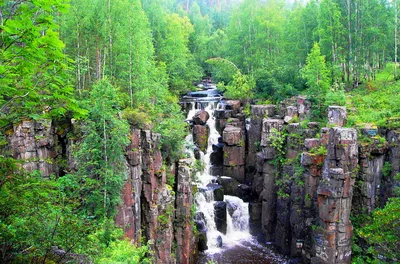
(200, 136)
(201, 117)
(202, 241)
(219, 241)
(220, 216)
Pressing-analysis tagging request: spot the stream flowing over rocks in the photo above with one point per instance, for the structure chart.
(249, 205)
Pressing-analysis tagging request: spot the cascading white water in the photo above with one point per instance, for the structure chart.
(237, 243)
(237, 219)
(237, 215)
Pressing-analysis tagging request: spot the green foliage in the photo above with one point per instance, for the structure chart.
(387, 169)
(241, 87)
(123, 252)
(321, 150)
(376, 102)
(278, 140)
(198, 166)
(100, 155)
(381, 232)
(36, 214)
(337, 97)
(33, 68)
(316, 74)
(181, 67)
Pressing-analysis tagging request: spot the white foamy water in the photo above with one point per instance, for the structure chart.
(237, 210)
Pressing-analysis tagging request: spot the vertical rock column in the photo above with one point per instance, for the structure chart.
(258, 113)
(268, 194)
(129, 215)
(333, 236)
(234, 152)
(157, 199)
(186, 251)
(255, 162)
(371, 164)
(393, 139)
(34, 142)
(312, 164)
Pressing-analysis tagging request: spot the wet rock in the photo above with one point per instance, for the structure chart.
(229, 184)
(216, 170)
(219, 194)
(201, 117)
(197, 154)
(217, 156)
(255, 218)
(200, 136)
(202, 244)
(244, 193)
(220, 216)
(219, 241)
(200, 222)
(236, 172)
(223, 114)
(337, 116)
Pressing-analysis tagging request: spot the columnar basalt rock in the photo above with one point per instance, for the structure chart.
(268, 195)
(335, 191)
(157, 200)
(337, 116)
(371, 162)
(186, 250)
(35, 143)
(220, 216)
(234, 152)
(129, 212)
(393, 138)
(295, 106)
(258, 113)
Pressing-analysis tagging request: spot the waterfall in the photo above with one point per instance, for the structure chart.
(237, 219)
(237, 210)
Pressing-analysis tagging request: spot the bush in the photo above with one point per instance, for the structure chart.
(123, 252)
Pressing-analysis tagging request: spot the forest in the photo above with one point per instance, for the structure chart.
(109, 65)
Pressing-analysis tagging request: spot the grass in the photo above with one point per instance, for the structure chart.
(376, 102)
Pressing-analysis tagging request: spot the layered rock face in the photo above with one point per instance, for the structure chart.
(303, 205)
(35, 142)
(149, 207)
(301, 202)
(335, 191)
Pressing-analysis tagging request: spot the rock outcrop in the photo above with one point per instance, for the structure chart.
(149, 206)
